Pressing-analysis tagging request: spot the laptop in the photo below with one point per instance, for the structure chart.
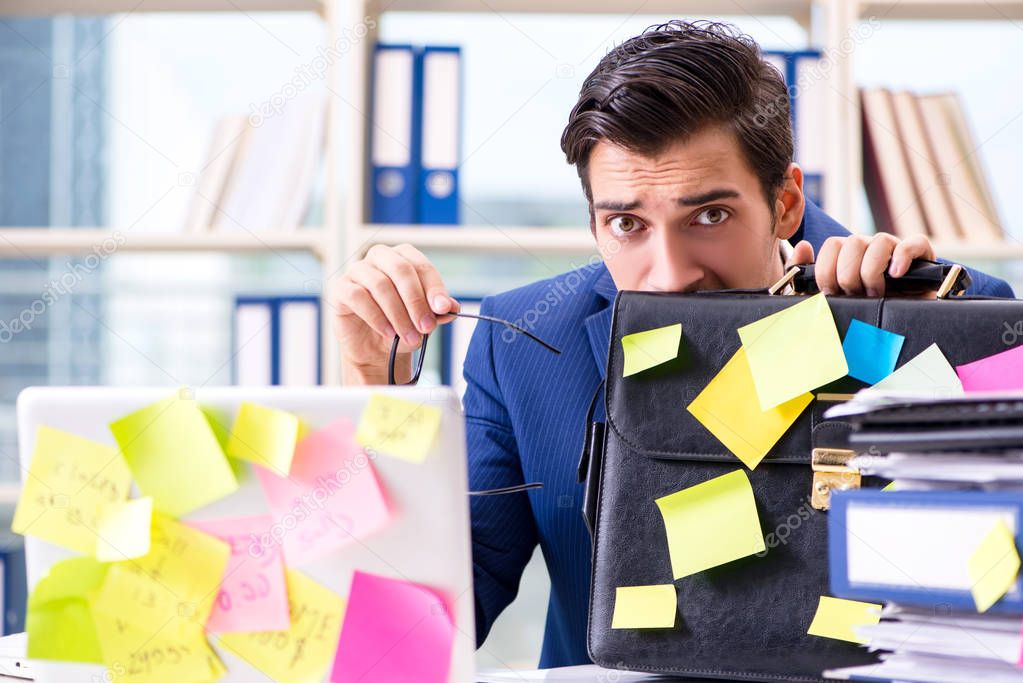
(427, 540)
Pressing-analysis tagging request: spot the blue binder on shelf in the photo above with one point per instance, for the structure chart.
(440, 76)
(276, 341)
(912, 547)
(807, 104)
(395, 97)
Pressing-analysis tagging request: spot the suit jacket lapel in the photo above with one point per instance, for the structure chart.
(598, 324)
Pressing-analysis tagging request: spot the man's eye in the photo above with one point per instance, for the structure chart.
(712, 216)
(623, 225)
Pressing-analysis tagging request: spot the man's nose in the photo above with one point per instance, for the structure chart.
(671, 267)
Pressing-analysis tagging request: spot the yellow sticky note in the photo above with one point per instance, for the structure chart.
(174, 455)
(993, 566)
(265, 436)
(890, 486)
(711, 523)
(835, 618)
(175, 584)
(69, 481)
(397, 427)
(58, 619)
(793, 351)
(645, 350)
(729, 409)
(149, 653)
(123, 530)
(306, 650)
(644, 606)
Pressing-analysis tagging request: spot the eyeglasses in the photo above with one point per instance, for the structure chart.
(422, 349)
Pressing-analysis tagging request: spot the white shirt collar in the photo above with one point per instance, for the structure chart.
(786, 250)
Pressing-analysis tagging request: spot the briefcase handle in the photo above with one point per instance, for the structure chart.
(947, 279)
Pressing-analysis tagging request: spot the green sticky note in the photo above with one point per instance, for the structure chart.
(58, 620)
(644, 606)
(711, 523)
(926, 374)
(793, 351)
(645, 350)
(264, 436)
(835, 618)
(174, 455)
(993, 567)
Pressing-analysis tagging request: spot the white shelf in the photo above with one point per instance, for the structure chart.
(36, 8)
(476, 238)
(26, 242)
(999, 251)
(797, 8)
(996, 10)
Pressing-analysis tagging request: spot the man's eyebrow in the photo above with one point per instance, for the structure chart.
(691, 200)
(611, 205)
(709, 196)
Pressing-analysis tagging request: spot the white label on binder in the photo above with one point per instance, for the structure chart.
(252, 345)
(299, 347)
(440, 109)
(392, 108)
(926, 546)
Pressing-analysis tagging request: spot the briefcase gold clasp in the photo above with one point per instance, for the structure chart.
(784, 282)
(831, 472)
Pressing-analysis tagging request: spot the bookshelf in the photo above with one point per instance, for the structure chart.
(346, 234)
(852, 12)
(828, 24)
(323, 241)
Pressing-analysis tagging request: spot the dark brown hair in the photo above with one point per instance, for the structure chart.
(674, 80)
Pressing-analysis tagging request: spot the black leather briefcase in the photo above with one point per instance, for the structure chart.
(746, 619)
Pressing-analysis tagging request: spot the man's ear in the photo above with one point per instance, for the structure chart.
(789, 203)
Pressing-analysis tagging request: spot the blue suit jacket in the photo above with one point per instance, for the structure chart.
(525, 410)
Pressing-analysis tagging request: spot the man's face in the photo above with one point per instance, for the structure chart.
(693, 217)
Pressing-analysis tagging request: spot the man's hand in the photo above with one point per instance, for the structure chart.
(856, 264)
(391, 290)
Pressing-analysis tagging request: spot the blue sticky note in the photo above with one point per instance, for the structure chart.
(871, 352)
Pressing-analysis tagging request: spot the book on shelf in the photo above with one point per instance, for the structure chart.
(920, 168)
(259, 174)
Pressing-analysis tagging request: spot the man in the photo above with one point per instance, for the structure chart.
(682, 142)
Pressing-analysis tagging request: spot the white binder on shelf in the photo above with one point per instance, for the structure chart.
(276, 341)
(807, 102)
(810, 122)
(393, 134)
(441, 121)
(455, 342)
(299, 356)
(253, 342)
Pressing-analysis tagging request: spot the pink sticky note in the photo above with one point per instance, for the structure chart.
(393, 630)
(331, 498)
(995, 373)
(254, 594)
